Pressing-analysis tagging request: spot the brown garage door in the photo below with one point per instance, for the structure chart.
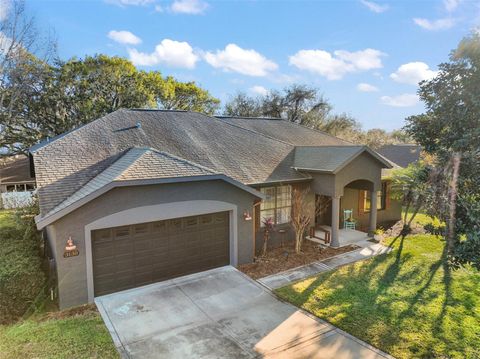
(131, 256)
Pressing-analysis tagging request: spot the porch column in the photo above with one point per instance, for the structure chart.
(335, 221)
(373, 213)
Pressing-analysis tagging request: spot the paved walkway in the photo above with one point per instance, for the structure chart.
(368, 249)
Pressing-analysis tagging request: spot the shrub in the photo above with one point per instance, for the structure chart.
(437, 230)
(21, 274)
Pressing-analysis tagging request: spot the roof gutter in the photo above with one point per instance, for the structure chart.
(49, 218)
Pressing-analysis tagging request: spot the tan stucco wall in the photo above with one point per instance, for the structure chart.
(350, 200)
(364, 167)
(72, 277)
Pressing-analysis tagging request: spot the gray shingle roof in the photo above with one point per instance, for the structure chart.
(326, 158)
(137, 164)
(286, 131)
(66, 164)
(331, 158)
(156, 164)
(402, 154)
(247, 151)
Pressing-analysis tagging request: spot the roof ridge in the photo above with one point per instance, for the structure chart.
(253, 131)
(47, 142)
(320, 131)
(177, 158)
(96, 178)
(324, 146)
(284, 120)
(252, 118)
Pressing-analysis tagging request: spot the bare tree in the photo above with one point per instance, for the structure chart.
(21, 47)
(301, 215)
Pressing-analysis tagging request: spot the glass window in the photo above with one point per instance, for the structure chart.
(277, 204)
(30, 187)
(381, 198)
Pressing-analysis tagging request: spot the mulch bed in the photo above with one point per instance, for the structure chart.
(281, 259)
(396, 230)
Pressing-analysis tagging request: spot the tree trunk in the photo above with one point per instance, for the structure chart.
(453, 202)
(298, 242)
(266, 236)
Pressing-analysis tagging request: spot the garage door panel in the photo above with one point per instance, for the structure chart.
(144, 244)
(124, 262)
(129, 256)
(105, 267)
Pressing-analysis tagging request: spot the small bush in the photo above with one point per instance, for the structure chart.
(437, 230)
(21, 274)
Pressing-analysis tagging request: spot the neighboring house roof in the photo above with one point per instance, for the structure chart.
(330, 159)
(286, 131)
(141, 166)
(388, 172)
(402, 154)
(16, 169)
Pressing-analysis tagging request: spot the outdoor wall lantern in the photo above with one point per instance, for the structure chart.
(247, 216)
(70, 249)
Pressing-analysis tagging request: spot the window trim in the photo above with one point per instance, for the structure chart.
(275, 207)
(381, 198)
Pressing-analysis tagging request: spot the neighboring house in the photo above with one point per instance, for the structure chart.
(16, 181)
(148, 195)
(401, 154)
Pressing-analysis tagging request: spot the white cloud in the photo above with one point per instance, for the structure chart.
(6, 43)
(259, 90)
(451, 5)
(412, 73)
(404, 100)
(4, 9)
(193, 7)
(373, 6)
(129, 2)
(335, 66)
(169, 52)
(158, 8)
(124, 37)
(244, 61)
(364, 87)
(320, 62)
(434, 25)
(367, 59)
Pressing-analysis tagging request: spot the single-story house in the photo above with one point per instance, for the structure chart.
(139, 196)
(15, 175)
(401, 154)
(16, 181)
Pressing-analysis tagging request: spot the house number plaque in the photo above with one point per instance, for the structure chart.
(70, 249)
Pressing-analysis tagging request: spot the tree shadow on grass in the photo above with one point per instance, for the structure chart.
(352, 296)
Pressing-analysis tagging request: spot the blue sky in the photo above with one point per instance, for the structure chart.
(365, 56)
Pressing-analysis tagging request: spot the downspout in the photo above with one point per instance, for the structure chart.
(256, 205)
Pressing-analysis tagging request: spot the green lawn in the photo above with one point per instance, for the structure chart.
(6, 220)
(75, 333)
(407, 303)
(66, 335)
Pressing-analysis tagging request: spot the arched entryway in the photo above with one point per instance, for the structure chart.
(331, 215)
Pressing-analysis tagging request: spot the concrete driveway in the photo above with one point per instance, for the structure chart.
(220, 313)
